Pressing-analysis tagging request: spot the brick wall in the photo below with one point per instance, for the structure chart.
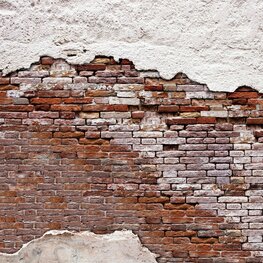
(104, 147)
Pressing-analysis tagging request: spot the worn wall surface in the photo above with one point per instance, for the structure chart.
(214, 42)
(105, 147)
(85, 247)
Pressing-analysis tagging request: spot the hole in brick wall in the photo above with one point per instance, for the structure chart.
(170, 147)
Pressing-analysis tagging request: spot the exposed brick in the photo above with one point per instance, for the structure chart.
(206, 120)
(61, 107)
(179, 121)
(255, 121)
(168, 159)
(153, 88)
(246, 95)
(137, 114)
(4, 81)
(91, 67)
(45, 100)
(47, 60)
(193, 108)
(169, 108)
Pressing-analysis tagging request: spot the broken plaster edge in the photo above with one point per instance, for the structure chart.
(138, 66)
(196, 70)
(116, 235)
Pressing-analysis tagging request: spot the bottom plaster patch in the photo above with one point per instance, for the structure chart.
(84, 247)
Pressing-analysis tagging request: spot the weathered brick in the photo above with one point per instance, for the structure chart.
(255, 121)
(91, 67)
(171, 140)
(246, 95)
(153, 88)
(116, 115)
(61, 107)
(179, 121)
(98, 156)
(193, 108)
(50, 80)
(45, 100)
(4, 80)
(125, 101)
(169, 108)
(138, 114)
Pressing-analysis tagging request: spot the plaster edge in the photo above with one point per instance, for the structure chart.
(120, 235)
(71, 61)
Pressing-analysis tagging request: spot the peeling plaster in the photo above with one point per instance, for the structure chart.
(84, 247)
(214, 42)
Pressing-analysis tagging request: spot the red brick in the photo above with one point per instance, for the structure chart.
(137, 114)
(98, 108)
(16, 107)
(53, 93)
(65, 107)
(91, 67)
(121, 107)
(153, 88)
(255, 101)
(68, 134)
(45, 100)
(4, 81)
(245, 95)
(258, 134)
(125, 61)
(99, 93)
(255, 121)
(93, 135)
(168, 108)
(47, 60)
(206, 120)
(193, 108)
(78, 100)
(5, 101)
(179, 121)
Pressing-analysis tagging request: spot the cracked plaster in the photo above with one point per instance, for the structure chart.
(214, 42)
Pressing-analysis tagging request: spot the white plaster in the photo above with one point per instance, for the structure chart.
(214, 42)
(84, 247)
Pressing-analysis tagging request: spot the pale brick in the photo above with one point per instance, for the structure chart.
(115, 115)
(171, 140)
(106, 134)
(146, 148)
(219, 173)
(218, 114)
(232, 199)
(57, 80)
(125, 101)
(147, 134)
(232, 213)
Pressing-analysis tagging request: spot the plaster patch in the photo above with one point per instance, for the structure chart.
(84, 247)
(214, 42)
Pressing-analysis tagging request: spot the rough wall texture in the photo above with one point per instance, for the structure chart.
(85, 247)
(105, 147)
(214, 42)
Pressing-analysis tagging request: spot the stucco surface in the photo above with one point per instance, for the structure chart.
(84, 247)
(214, 42)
